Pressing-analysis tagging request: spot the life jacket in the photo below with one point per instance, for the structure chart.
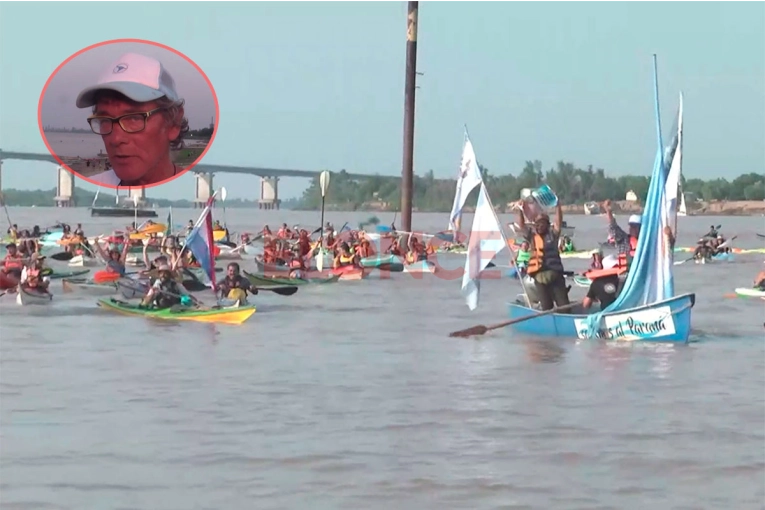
(523, 257)
(14, 263)
(230, 285)
(296, 263)
(346, 260)
(164, 300)
(543, 255)
(33, 277)
(237, 295)
(623, 262)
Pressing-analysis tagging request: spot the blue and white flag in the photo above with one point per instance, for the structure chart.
(201, 244)
(487, 240)
(468, 178)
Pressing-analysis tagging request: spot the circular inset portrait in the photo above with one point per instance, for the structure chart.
(128, 113)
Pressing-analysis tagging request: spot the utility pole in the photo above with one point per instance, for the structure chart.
(407, 171)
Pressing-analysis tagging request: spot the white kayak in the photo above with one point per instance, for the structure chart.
(424, 266)
(30, 297)
(85, 286)
(750, 292)
(82, 261)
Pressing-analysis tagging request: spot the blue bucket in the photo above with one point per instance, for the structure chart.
(545, 196)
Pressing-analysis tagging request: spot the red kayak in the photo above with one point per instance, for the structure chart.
(8, 281)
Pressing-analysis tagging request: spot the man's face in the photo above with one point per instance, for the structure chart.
(232, 271)
(134, 155)
(11, 251)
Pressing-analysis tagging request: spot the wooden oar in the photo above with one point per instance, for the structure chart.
(482, 330)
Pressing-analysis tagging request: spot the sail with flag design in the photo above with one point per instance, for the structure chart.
(200, 242)
(487, 240)
(469, 177)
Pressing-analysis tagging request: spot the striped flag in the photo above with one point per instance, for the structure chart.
(200, 242)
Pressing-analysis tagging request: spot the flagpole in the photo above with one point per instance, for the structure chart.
(407, 171)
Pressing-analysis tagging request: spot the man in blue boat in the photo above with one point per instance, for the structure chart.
(604, 287)
(545, 265)
(625, 242)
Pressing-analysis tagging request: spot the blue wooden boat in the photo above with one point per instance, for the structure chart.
(665, 321)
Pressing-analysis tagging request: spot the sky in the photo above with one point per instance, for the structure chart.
(84, 70)
(318, 86)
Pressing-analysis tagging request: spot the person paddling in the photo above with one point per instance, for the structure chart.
(166, 292)
(344, 257)
(545, 265)
(234, 286)
(31, 276)
(13, 264)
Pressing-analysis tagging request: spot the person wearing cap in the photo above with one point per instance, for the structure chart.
(166, 292)
(13, 264)
(140, 117)
(31, 276)
(545, 265)
(625, 242)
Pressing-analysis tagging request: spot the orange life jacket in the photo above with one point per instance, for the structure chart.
(537, 250)
(622, 263)
(14, 262)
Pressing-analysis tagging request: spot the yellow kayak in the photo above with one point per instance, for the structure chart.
(219, 235)
(234, 316)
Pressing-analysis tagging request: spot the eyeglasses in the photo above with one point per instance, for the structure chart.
(130, 123)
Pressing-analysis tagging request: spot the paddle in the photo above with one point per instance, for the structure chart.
(223, 195)
(482, 330)
(63, 256)
(323, 184)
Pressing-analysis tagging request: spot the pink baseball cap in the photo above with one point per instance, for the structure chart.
(137, 77)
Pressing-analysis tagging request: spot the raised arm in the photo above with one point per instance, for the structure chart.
(558, 223)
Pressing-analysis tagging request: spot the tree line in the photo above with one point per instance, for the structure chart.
(572, 184)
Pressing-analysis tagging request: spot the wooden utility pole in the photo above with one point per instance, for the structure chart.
(407, 171)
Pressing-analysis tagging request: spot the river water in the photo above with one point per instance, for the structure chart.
(352, 396)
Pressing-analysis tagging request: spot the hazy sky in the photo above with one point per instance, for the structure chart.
(320, 85)
(59, 109)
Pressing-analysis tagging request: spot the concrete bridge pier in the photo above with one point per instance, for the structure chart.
(269, 193)
(203, 189)
(65, 189)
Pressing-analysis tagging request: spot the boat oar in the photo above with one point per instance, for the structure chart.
(323, 184)
(482, 330)
(63, 256)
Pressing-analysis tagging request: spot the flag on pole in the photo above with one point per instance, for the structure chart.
(201, 244)
(169, 225)
(469, 177)
(487, 240)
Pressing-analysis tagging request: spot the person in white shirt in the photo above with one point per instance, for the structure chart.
(137, 112)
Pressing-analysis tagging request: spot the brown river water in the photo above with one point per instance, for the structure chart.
(352, 396)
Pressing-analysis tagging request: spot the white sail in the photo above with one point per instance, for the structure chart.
(674, 177)
(681, 210)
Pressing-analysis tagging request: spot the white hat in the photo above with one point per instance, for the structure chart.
(635, 219)
(138, 77)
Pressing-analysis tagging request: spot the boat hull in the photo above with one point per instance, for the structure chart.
(69, 274)
(383, 262)
(750, 293)
(26, 297)
(274, 281)
(81, 261)
(421, 267)
(665, 321)
(132, 289)
(84, 286)
(233, 316)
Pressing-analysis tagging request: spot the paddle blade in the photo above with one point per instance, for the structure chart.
(324, 182)
(223, 194)
(282, 291)
(63, 256)
(320, 260)
(135, 201)
(467, 333)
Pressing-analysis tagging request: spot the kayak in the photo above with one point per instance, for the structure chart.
(385, 262)
(82, 261)
(53, 275)
(421, 267)
(275, 281)
(750, 292)
(349, 273)
(216, 315)
(83, 285)
(27, 296)
(7, 281)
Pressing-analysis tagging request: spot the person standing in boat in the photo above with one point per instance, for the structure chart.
(545, 265)
(625, 242)
(235, 286)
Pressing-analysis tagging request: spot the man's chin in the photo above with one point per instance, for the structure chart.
(129, 171)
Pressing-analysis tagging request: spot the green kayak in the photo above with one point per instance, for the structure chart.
(234, 315)
(53, 275)
(385, 262)
(273, 281)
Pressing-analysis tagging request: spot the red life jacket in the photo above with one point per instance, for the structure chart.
(14, 262)
(33, 277)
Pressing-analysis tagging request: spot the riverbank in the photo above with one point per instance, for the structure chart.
(716, 208)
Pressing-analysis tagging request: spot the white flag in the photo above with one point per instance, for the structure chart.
(469, 177)
(487, 240)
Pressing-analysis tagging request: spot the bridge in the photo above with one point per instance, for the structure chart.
(269, 179)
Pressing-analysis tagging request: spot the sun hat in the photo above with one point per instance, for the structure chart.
(137, 77)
